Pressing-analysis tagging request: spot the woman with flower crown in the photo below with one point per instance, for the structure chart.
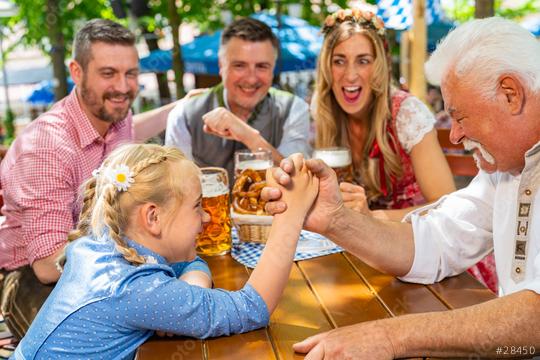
(396, 156)
(132, 270)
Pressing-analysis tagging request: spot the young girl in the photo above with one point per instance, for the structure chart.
(133, 269)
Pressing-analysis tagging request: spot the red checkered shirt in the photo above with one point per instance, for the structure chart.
(41, 175)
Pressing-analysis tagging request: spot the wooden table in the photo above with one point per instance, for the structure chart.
(322, 293)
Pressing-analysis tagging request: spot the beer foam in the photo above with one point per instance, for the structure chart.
(334, 159)
(212, 185)
(254, 165)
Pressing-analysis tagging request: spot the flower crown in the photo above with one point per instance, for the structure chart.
(366, 19)
(120, 176)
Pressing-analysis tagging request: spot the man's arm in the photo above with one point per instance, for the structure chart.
(43, 191)
(177, 133)
(385, 245)
(296, 130)
(46, 270)
(223, 123)
(152, 122)
(491, 329)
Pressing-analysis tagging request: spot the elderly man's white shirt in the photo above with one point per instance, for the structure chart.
(463, 227)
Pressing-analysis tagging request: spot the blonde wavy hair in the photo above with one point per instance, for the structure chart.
(106, 211)
(331, 120)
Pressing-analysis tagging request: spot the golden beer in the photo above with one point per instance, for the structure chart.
(339, 159)
(215, 239)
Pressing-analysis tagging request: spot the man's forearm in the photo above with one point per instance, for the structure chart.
(256, 142)
(46, 269)
(504, 327)
(152, 122)
(385, 245)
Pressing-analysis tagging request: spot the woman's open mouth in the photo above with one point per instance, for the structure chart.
(351, 93)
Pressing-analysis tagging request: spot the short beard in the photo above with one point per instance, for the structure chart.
(89, 97)
(471, 145)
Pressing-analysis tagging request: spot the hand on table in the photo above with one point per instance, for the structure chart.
(327, 203)
(367, 340)
(223, 123)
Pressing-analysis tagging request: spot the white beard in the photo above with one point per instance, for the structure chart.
(471, 145)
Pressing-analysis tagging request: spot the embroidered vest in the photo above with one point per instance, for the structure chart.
(268, 118)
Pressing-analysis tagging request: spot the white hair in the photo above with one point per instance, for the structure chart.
(485, 49)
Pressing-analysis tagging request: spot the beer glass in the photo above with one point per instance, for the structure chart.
(250, 177)
(215, 239)
(339, 159)
(258, 160)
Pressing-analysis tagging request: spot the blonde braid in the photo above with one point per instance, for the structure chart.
(111, 220)
(111, 211)
(83, 225)
(141, 165)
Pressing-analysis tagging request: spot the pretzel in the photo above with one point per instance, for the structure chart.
(247, 193)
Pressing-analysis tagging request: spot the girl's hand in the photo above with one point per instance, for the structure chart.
(328, 204)
(354, 197)
(302, 190)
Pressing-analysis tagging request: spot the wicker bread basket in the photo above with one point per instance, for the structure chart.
(252, 228)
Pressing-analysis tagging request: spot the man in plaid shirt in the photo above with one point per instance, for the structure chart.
(45, 166)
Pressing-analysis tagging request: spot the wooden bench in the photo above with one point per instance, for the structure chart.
(461, 164)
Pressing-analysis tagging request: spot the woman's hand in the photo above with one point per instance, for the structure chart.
(354, 197)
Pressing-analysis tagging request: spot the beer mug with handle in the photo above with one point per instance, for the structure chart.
(250, 178)
(215, 239)
(339, 159)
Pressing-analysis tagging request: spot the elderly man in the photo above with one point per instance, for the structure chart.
(490, 78)
(47, 163)
(243, 111)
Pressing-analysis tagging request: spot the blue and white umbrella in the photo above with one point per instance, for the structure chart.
(300, 44)
(397, 14)
(43, 93)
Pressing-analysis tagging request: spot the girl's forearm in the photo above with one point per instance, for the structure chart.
(272, 272)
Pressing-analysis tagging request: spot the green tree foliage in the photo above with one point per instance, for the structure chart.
(463, 10)
(51, 24)
(71, 14)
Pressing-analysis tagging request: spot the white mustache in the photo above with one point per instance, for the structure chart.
(471, 145)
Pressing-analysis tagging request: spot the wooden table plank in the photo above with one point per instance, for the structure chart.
(230, 275)
(341, 291)
(326, 292)
(173, 348)
(398, 297)
(461, 291)
(297, 316)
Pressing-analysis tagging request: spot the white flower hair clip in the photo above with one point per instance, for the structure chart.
(121, 177)
(96, 172)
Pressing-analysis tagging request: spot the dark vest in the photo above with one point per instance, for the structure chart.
(268, 118)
